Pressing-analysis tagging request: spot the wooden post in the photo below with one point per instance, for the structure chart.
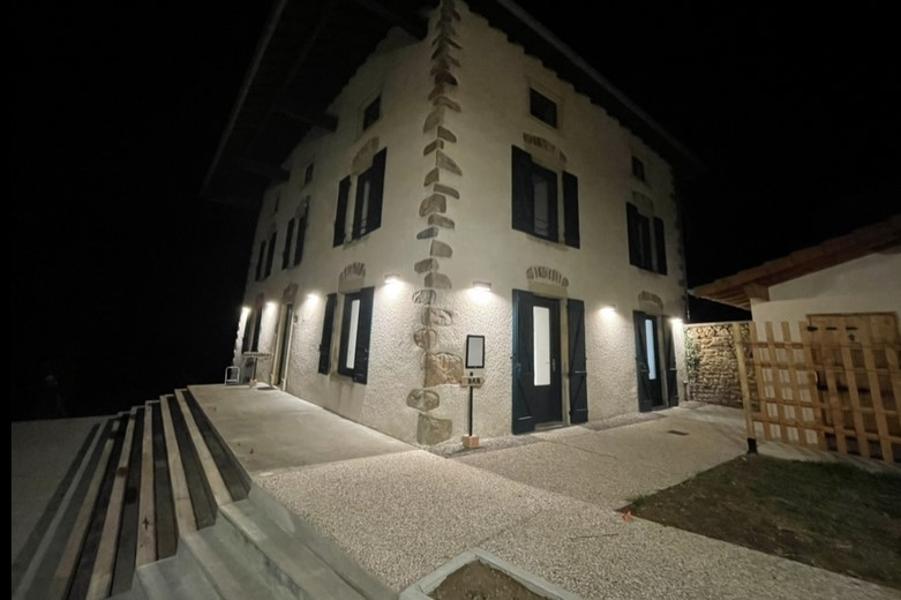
(745, 388)
(835, 404)
(761, 389)
(885, 442)
(863, 442)
(788, 345)
(776, 374)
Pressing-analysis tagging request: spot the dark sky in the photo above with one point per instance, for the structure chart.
(125, 285)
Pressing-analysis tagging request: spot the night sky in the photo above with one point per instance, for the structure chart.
(126, 284)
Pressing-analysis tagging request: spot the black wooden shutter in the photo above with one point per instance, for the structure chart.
(672, 391)
(286, 252)
(644, 229)
(259, 274)
(270, 252)
(523, 202)
(660, 245)
(341, 213)
(632, 219)
(641, 362)
(571, 209)
(523, 416)
(325, 346)
(364, 331)
(376, 190)
(578, 374)
(301, 235)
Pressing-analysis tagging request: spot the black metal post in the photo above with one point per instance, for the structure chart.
(470, 405)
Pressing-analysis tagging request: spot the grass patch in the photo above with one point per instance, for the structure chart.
(832, 516)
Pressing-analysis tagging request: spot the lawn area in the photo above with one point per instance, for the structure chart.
(833, 516)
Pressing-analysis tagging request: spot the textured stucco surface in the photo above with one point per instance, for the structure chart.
(494, 77)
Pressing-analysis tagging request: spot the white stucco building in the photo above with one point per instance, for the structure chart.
(469, 175)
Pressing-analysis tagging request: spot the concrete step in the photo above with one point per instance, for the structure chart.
(366, 584)
(181, 498)
(175, 578)
(287, 564)
(227, 567)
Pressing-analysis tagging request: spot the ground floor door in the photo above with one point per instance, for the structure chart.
(284, 345)
(647, 361)
(537, 396)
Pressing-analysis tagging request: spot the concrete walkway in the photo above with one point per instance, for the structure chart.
(544, 504)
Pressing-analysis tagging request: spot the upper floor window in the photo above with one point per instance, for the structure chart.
(372, 112)
(270, 254)
(278, 199)
(647, 248)
(536, 208)
(638, 169)
(366, 215)
(542, 107)
(260, 258)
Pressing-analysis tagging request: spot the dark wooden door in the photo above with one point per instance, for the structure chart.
(536, 361)
(284, 346)
(647, 361)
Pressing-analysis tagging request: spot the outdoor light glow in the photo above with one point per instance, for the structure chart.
(608, 311)
(482, 286)
(245, 310)
(480, 292)
(391, 279)
(271, 305)
(675, 321)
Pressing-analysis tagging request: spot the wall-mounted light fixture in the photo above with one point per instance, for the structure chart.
(675, 321)
(391, 279)
(608, 310)
(481, 286)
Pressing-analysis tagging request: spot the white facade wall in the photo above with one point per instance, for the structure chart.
(494, 78)
(868, 284)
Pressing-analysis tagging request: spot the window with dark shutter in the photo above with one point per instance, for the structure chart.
(660, 246)
(571, 210)
(542, 108)
(372, 112)
(270, 253)
(356, 324)
(301, 234)
(260, 258)
(341, 212)
(368, 201)
(286, 251)
(325, 345)
(646, 248)
(638, 169)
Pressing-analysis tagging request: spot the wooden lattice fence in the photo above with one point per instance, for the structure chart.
(832, 382)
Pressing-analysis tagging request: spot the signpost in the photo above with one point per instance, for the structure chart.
(475, 359)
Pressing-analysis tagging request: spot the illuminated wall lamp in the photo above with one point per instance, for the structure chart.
(608, 310)
(481, 286)
(391, 279)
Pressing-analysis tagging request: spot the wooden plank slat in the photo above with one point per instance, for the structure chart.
(105, 562)
(835, 407)
(869, 359)
(743, 380)
(83, 577)
(217, 486)
(812, 389)
(863, 446)
(791, 365)
(146, 551)
(166, 522)
(776, 374)
(236, 478)
(127, 546)
(181, 499)
(758, 375)
(891, 358)
(203, 502)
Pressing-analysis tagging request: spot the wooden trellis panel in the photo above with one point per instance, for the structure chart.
(833, 383)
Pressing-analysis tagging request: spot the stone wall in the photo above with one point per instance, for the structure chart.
(711, 363)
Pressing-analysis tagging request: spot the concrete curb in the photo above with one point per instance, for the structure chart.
(425, 586)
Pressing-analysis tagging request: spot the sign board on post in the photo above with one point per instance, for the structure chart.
(475, 359)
